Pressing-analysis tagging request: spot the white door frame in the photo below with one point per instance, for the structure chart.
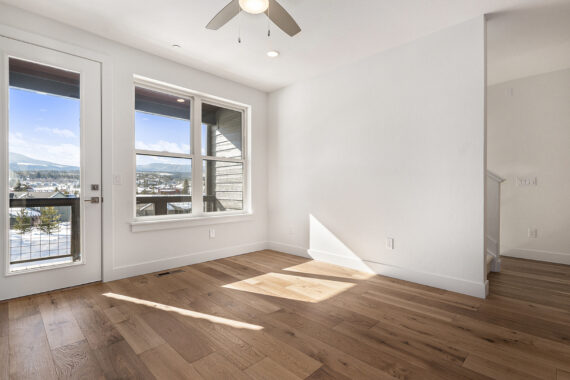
(106, 78)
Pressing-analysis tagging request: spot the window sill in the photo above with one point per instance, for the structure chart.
(156, 224)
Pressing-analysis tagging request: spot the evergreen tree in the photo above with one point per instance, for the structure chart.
(23, 222)
(18, 186)
(49, 220)
(186, 187)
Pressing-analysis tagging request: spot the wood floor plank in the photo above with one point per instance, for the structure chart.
(4, 341)
(268, 369)
(326, 373)
(119, 361)
(498, 370)
(396, 362)
(238, 352)
(30, 355)
(4, 319)
(4, 357)
(60, 324)
(189, 342)
(22, 307)
(442, 332)
(95, 326)
(268, 315)
(138, 334)
(296, 361)
(215, 366)
(165, 363)
(76, 361)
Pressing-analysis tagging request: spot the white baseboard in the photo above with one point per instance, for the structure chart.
(180, 261)
(453, 284)
(531, 254)
(288, 248)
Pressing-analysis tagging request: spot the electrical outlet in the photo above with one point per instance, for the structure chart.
(533, 233)
(390, 243)
(527, 181)
(212, 233)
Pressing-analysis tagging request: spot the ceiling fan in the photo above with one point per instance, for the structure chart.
(271, 8)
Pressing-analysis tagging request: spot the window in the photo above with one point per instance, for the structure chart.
(223, 158)
(181, 169)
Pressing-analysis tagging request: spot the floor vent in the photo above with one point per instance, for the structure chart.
(169, 272)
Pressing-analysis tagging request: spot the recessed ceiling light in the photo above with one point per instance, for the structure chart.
(273, 53)
(254, 6)
(176, 46)
(180, 100)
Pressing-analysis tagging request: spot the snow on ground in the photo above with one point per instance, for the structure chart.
(37, 244)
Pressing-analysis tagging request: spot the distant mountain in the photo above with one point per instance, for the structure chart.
(164, 168)
(19, 162)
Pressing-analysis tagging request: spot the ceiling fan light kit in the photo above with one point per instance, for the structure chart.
(272, 9)
(254, 6)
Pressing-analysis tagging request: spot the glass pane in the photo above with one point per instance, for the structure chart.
(223, 185)
(162, 122)
(44, 162)
(164, 185)
(221, 132)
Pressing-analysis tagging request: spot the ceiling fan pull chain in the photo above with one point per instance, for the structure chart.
(239, 24)
(268, 22)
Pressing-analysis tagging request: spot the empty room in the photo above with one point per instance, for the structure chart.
(285, 189)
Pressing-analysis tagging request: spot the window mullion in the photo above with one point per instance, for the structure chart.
(196, 132)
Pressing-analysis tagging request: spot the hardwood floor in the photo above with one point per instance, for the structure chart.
(268, 315)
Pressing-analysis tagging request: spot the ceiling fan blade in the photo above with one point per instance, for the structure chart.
(282, 18)
(226, 14)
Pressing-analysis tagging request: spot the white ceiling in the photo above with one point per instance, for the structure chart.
(525, 36)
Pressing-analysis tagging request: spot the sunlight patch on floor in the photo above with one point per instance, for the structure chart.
(324, 269)
(185, 312)
(292, 287)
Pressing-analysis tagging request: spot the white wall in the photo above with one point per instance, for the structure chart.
(529, 137)
(128, 253)
(392, 146)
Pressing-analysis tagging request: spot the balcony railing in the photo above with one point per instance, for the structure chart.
(37, 246)
(161, 202)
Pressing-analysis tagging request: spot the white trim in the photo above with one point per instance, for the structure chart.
(288, 248)
(171, 222)
(453, 284)
(180, 261)
(196, 100)
(495, 177)
(183, 91)
(534, 254)
(156, 153)
(41, 268)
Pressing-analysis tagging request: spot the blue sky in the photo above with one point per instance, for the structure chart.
(160, 133)
(47, 127)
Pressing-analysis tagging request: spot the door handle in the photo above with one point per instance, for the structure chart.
(92, 200)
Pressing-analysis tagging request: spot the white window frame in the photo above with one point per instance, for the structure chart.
(198, 216)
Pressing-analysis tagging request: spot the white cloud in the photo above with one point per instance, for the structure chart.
(56, 131)
(164, 146)
(64, 154)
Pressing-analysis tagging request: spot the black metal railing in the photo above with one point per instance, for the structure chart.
(74, 233)
(161, 202)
